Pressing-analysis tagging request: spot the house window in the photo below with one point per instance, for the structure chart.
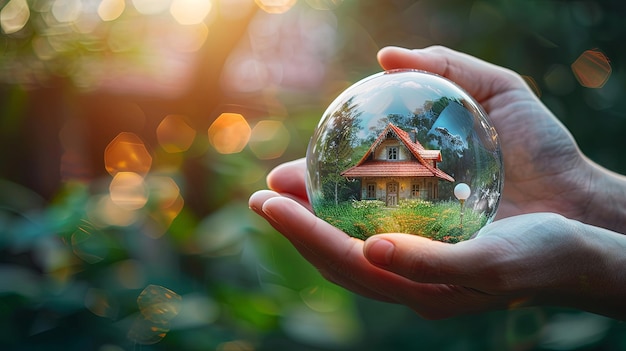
(392, 153)
(415, 190)
(371, 190)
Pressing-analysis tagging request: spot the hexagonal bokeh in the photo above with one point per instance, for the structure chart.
(405, 151)
(127, 153)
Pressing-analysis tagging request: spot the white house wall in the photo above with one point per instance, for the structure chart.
(428, 187)
(381, 151)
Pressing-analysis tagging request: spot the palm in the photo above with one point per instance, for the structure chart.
(541, 159)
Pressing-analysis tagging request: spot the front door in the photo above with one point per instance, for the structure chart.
(392, 194)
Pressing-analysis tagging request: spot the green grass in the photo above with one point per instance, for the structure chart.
(438, 221)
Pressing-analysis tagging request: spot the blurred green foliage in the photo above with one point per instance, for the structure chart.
(214, 276)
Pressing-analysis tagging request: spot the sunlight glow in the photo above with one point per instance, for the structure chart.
(229, 133)
(189, 38)
(127, 153)
(14, 16)
(110, 10)
(592, 69)
(190, 11)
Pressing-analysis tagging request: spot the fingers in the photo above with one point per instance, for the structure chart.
(481, 79)
(316, 242)
(341, 259)
(289, 180)
(427, 261)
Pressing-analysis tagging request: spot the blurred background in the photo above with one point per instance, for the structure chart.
(132, 133)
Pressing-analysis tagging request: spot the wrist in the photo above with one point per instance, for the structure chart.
(593, 279)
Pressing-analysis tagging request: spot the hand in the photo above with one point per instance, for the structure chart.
(510, 262)
(545, 259)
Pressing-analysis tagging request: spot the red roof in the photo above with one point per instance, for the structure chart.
(406, 168)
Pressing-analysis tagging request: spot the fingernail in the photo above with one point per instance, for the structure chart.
(379, 252)
(268, 213)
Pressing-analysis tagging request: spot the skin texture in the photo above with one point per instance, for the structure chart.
(556, 240)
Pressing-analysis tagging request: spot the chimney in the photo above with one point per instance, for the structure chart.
(413, 135)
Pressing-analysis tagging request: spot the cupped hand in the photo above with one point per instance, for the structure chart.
(519, 261)
(522, 260)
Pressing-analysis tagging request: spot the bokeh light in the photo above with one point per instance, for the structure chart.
(175, 134)
(66, 10)
(151, 7)
(103, 212)
(100, 303)
(159, 304)
(128, 190)
(532, 83)
(592, 69)
(190, 11)
(279, 48)
(275, 6)
(168, 202)
(88, 243)
(324, 4)
(127, 153)
(269, 139)
(14, 16)
(110, 10)
(147, 332)
(229, 133)
(189, 38)
(163, 190)
(130, 274)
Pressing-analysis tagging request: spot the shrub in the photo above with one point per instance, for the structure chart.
(367, 204)
(414, 203)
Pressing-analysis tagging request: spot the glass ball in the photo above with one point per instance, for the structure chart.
(405, 151)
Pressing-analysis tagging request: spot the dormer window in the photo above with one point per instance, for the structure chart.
(392, 153)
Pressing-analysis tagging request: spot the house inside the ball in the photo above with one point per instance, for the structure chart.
(397, 167)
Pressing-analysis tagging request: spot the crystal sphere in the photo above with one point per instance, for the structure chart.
(405, 151)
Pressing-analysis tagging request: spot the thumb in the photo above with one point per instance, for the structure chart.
(423, 260)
